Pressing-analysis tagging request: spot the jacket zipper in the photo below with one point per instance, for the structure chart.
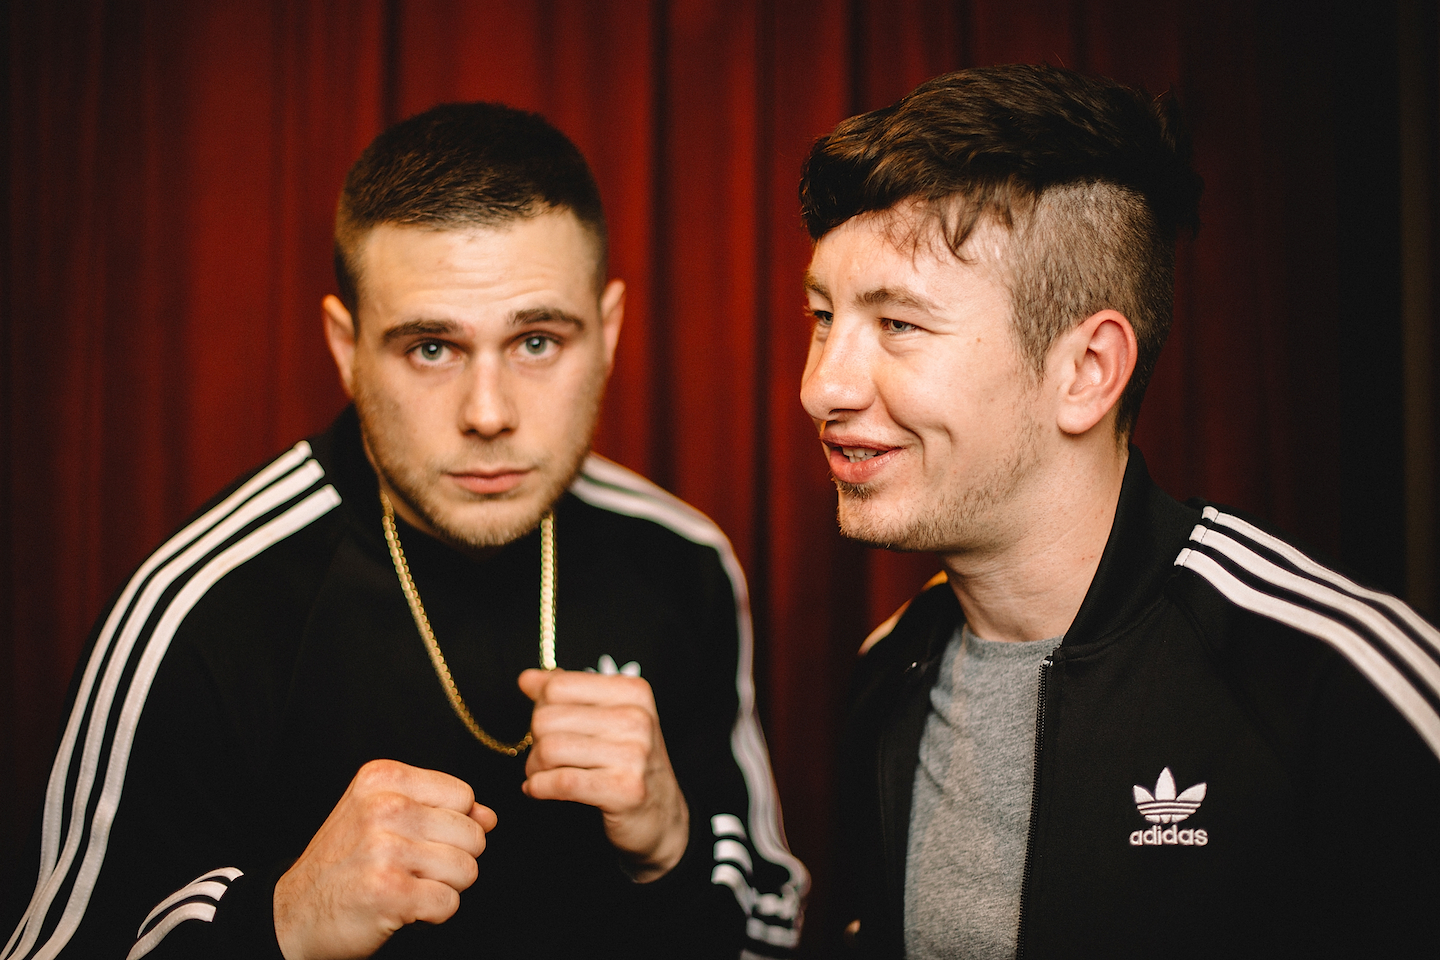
(1045, 666)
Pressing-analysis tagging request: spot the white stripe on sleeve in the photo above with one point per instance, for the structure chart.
(1353, 620)
(285, 479)
(613, 487)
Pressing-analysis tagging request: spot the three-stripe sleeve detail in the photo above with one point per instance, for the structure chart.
(194, 901)
(1382, 637)
(774, 918)
(90, 765)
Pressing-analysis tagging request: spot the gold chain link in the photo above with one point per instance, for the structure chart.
(437, 659)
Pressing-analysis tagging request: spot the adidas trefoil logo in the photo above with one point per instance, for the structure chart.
(606, 667)
(1164, 806)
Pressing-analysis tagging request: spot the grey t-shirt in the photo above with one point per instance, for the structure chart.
(971, 811)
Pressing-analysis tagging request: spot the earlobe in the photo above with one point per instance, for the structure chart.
(1097, 357)
(340, 336)
(612, 317)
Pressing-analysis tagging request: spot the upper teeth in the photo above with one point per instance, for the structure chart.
(854, 454)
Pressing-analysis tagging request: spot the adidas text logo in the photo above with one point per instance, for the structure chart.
(1165, 807)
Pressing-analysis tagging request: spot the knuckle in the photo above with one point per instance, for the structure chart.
(540, 751)
(464, 793)
(385, 887)
(637, 688)
(436, 902)
(477, 841)
(557, 687)
(469, 872)
(378, 773)
(447, 901)
(634, 757)
(635, 720)
(385, 807)
(565, 781)
(540, 723)
(541, 720)
(386, 848)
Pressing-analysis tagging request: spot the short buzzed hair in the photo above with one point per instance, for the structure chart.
(1092, 178)
(464, 165)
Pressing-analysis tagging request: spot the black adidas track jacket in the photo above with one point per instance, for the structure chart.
(265, 652)
(1294, 711)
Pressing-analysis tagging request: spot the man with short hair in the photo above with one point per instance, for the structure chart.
(295, 731)
(1119, 725)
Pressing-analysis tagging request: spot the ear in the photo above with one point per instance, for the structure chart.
(1090, 364)
(340, 335)
(612, 316)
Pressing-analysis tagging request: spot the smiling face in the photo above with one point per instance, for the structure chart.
(477, 369)
(933, 425)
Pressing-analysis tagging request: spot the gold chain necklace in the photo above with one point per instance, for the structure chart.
(437, 659)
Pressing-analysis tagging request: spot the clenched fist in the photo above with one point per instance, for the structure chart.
(398, 847)
(598, 742)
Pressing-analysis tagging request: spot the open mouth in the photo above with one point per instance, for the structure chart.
(857, 464)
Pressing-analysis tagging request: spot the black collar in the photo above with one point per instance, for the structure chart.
(1149, 531)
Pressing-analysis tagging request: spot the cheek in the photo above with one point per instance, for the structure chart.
(396, 404)
(569, 398)
(913, 399)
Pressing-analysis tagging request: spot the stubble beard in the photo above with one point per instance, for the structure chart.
(415, 483)
(956, 520)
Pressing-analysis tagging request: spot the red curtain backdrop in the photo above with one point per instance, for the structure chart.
(172, 169)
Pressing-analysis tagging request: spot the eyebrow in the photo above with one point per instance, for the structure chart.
(886, 296)
(521, 318)
(878, 297)
(812, 283)
(419, 328)
(425, 327)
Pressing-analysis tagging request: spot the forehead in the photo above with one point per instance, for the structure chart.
(550, 257)
(900, 256)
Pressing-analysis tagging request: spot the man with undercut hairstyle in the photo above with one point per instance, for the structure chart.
(1116, 725)
(298, 732)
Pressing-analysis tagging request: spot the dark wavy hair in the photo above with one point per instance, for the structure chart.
(1092, 178)
(462, 165)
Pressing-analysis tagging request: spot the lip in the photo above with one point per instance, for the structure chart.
(861, 471)
(502, 480)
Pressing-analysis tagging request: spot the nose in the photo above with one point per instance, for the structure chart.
(488, 408)
(838, 376)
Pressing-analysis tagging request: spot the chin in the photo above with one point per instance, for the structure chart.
(861, 520)
(491, 525)
(915, 528)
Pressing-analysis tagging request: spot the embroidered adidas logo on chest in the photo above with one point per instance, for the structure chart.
(1166, 810)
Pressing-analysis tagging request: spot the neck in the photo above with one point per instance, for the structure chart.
(1031, 587)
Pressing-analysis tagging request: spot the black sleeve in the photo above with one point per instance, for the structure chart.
(737, 874)
(143, 829)
(144, 846)
(1369, 781)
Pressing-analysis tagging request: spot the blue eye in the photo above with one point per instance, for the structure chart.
(430, 351)
(537, 345)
